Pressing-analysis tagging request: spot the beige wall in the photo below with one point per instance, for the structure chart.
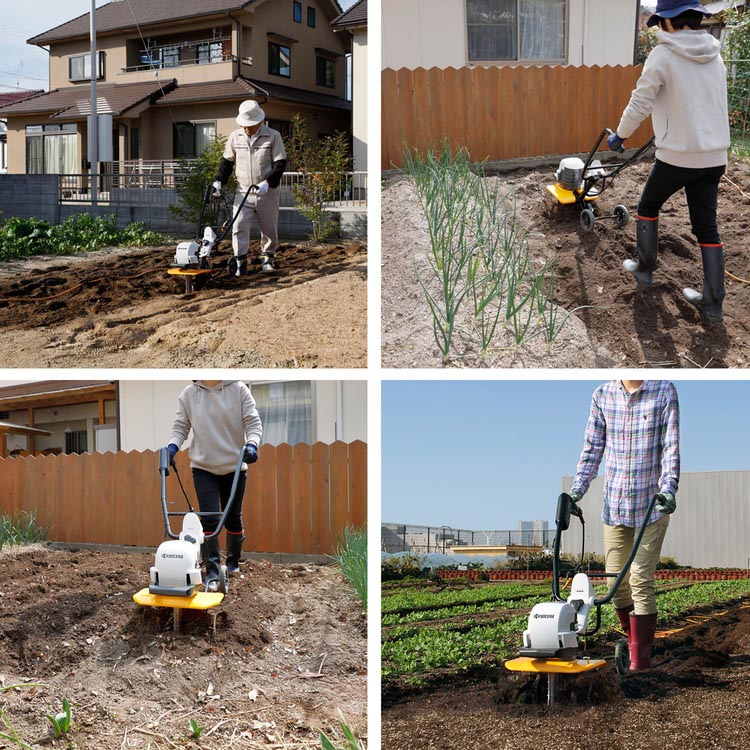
(147, 409)
(359, 97)
(432, 33)
(277, 17)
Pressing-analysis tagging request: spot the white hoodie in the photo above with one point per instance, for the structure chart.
(684, 88)
(224, 419)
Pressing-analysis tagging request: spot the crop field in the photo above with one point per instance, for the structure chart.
(444, 645)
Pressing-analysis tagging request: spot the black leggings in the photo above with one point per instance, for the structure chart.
(702, 190)
(213, 493)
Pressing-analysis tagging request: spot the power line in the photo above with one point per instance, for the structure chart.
(18, 74)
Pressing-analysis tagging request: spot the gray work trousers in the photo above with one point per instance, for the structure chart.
(266, 208)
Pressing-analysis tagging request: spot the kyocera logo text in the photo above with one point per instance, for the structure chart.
(544, 617)
(166, 554)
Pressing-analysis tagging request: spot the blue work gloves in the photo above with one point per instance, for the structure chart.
(665, 503)
(250, 455)
(615, 143)
(172, 448)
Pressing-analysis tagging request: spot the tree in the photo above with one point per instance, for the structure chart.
(323, 164)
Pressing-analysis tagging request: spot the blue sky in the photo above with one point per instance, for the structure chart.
(25, 66)
(486, 454)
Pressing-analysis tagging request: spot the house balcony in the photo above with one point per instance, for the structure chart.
(189, 61)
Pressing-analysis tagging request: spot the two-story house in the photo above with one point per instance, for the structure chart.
(172, 74)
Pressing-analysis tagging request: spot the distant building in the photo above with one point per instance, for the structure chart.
(534, 533)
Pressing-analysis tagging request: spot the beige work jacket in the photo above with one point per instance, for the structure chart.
(253, 163)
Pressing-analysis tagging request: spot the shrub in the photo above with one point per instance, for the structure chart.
(351, 556)
(323, 164)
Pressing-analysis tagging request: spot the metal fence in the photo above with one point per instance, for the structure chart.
(427, 539)
(155, 184)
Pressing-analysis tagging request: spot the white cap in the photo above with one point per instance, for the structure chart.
(250, 114)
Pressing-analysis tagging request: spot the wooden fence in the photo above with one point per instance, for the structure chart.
(504, 112)
(298, 498)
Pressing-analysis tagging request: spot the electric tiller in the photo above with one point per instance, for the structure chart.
(550, 643)
(191, 257)
(176, 573)
(582, 182)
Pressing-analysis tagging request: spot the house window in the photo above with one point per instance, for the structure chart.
(311, 17)
(76, 441)
(286, 411)
(192, 138)
(210, 52)
(79, 67)
(325, 72)
(284, 127)
(297, 11)
(279, 60)
(52, 149)
(516, 30)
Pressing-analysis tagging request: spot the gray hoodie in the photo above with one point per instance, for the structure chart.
(223, 418)
(684, 88)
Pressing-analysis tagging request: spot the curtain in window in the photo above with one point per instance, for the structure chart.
(542, 29)
(69, 153)
(491, 29)
(286, 411)
(35, 154)
(205, 132)
(52, 154)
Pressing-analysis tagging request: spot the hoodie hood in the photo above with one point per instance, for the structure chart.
(698, 46)
(219, 385)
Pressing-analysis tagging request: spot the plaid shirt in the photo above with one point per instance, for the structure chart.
(639, 436)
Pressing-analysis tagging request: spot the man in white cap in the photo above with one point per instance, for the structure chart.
(259, 155)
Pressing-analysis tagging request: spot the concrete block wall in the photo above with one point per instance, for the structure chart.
(28, 196)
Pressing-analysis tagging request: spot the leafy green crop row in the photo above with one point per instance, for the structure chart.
(416, 599)
(22, 238)
(415, 650)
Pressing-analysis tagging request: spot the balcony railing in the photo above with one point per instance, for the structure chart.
(201, 52)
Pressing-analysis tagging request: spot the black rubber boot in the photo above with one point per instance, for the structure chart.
(212, 560)
(234, 552)
(709, 303)
(648, 242)
(266, 263)
(237, 265)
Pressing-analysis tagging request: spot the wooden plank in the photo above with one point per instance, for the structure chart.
(321, 485)
(358, 483)
(251, 505)
(405, 98)
(391, 131)
(424, 129)
(102, 498)
(268, 518)
(285, 509)
(303, 533)
(339, 492)
(454, 132)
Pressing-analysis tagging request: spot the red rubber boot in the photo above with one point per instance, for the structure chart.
(623, 615)
(642, 629)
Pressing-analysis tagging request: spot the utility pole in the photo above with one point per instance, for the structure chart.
(93, 123)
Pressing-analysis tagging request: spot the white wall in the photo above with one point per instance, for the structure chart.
(147, 409)
(708, 529)
(432, 33)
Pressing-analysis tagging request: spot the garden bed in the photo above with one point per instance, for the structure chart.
(619, 325)
(119, 308)
(445, 684)
(268, 668)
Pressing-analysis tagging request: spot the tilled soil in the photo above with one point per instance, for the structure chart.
(271, 666)
(623, 325)
(120, 308)
(697, 695)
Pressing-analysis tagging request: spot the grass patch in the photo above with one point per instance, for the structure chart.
(351, 556)
(20, 529)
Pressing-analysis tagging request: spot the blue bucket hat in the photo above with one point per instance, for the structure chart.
(672, 8)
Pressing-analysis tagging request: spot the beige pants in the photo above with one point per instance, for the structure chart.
(637, 586)
(266, 208)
